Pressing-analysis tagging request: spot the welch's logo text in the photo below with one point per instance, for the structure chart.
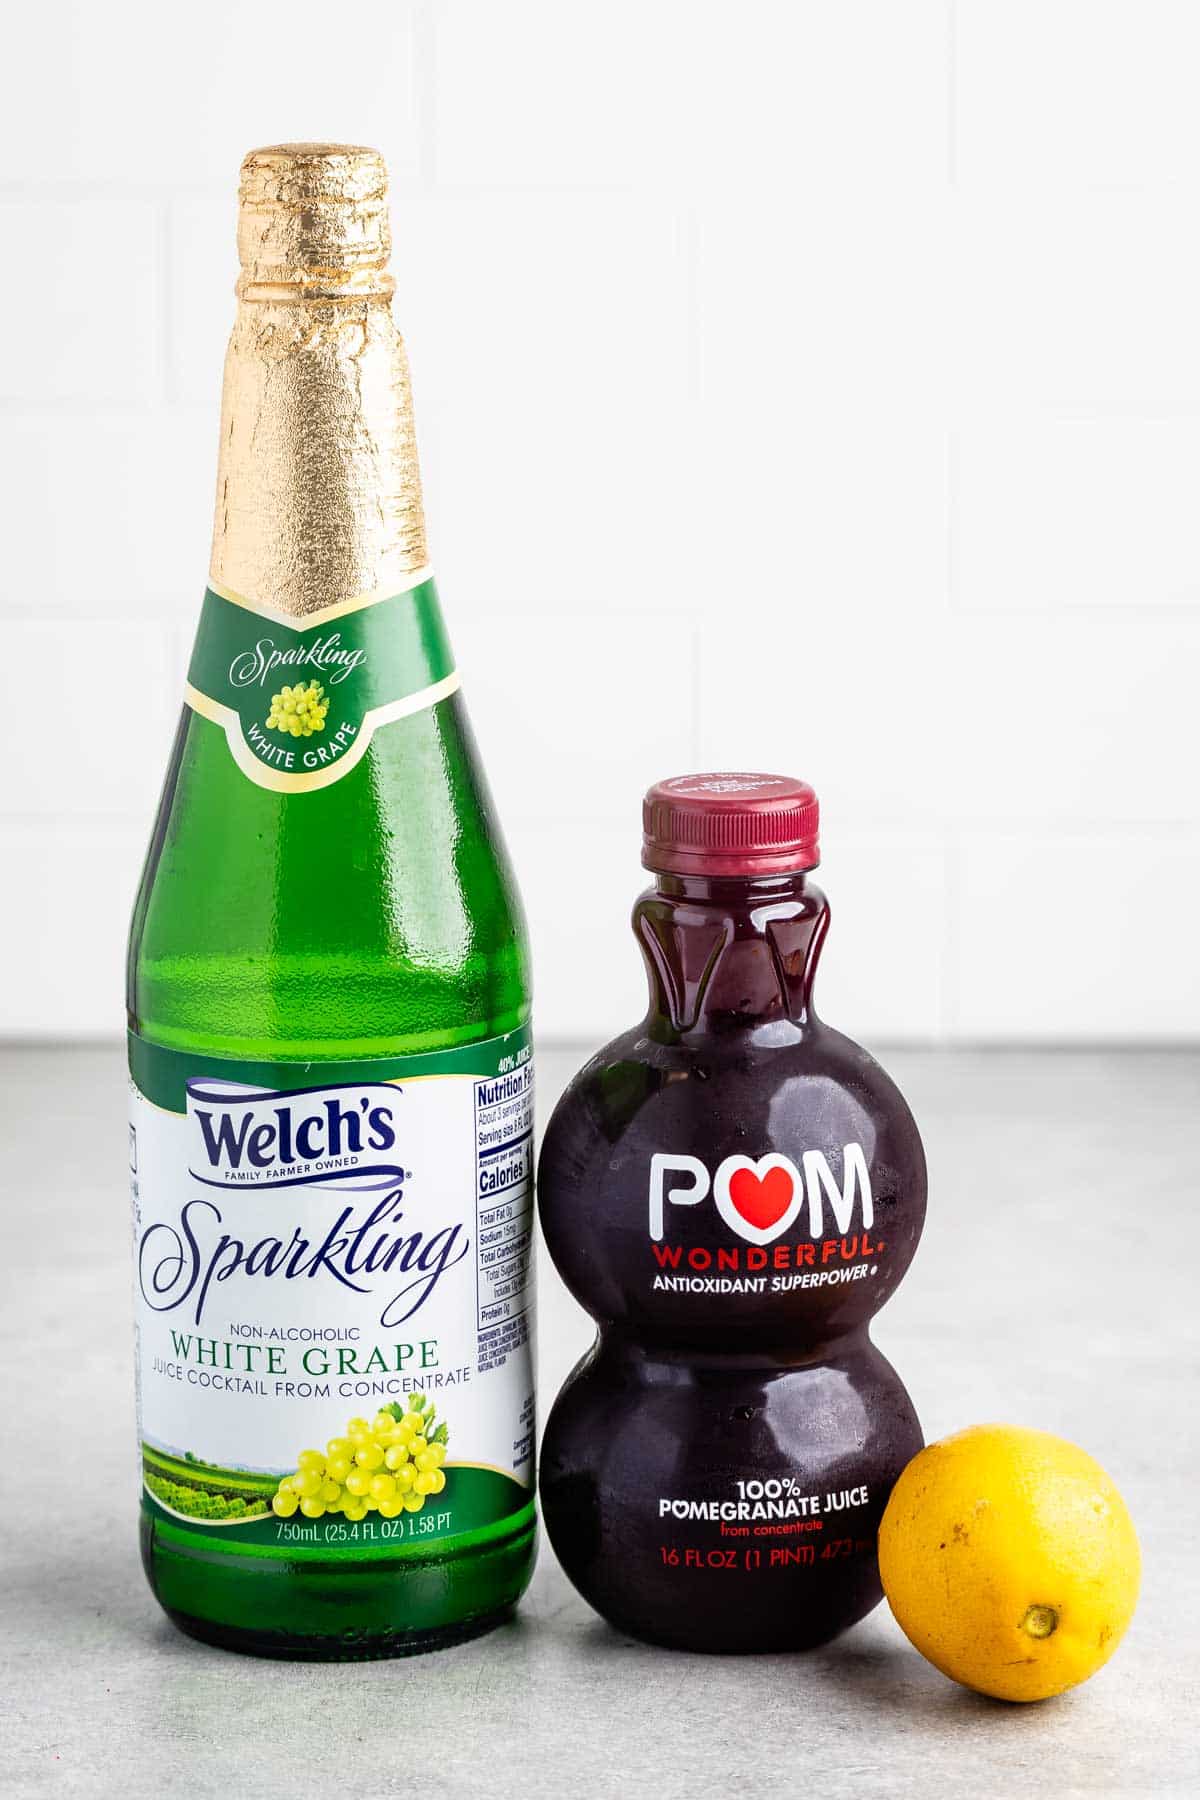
(244, 1138)
(321, 1166)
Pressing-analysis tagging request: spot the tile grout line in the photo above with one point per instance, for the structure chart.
(423, 89)
(950, 999)
(952, 93)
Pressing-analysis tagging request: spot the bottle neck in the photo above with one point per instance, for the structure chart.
(318, 484)
(730, 954)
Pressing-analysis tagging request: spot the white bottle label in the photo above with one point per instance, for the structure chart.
(333, 1284)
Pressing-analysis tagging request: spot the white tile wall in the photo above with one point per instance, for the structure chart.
(1075, 303)
(1076, 93)
(1088, 936)
(71, 340)
(64, 919)
(151, 100)
(799, 384)
(1106, 512)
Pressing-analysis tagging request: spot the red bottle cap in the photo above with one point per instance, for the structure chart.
(730, 824)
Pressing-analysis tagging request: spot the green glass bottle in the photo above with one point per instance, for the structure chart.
(328, 993)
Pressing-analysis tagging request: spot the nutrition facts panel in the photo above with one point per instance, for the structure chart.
(503, 1195)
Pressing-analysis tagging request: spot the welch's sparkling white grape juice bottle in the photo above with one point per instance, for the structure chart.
(732, 1189)
(331, 1084)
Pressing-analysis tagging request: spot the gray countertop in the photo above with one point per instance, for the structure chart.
(1054, 1287)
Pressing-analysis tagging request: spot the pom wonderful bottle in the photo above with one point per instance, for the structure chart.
(328, 1016)
(732, 1189)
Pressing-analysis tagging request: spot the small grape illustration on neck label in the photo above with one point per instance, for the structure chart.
(298, 711)
(389, 1466)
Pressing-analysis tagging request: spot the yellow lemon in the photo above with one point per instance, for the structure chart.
(1010, 1561)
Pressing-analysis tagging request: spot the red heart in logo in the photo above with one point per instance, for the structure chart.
(761, 1199)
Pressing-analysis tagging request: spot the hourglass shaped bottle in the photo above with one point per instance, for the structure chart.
(732, 1189)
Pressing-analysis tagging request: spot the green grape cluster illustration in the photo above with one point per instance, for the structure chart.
(298, 711)
(390, 1465)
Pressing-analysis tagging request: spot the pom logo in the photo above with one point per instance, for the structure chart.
(761, 1200)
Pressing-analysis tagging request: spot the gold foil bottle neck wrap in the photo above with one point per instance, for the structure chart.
(318, 485)
(314, 218)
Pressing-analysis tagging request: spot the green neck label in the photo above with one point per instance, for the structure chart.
(299, 703)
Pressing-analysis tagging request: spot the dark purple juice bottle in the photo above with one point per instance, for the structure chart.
(732, 1189)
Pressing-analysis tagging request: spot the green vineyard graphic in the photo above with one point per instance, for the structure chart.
(204, 1492)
